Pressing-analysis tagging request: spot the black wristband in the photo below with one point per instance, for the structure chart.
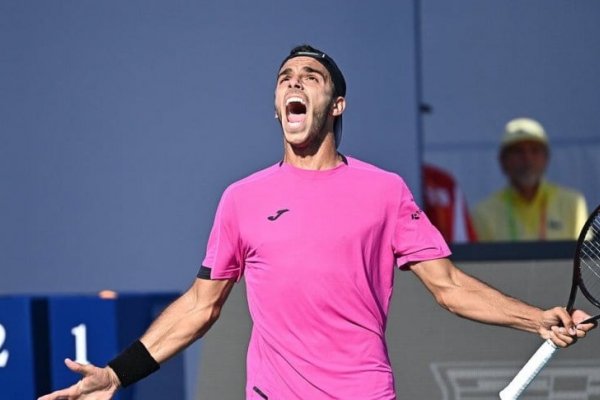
(133, 364)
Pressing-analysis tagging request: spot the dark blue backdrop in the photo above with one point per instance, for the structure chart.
(122, 122)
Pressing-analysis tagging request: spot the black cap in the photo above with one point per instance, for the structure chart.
(337, 77)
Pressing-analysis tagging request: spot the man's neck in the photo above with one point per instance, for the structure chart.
(324, 157)
(527, 193)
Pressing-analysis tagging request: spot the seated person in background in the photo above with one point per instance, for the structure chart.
(529, 208)
(445, 205)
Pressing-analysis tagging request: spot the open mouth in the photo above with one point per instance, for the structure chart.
(295, 110)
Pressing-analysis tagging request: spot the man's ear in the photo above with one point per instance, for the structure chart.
(338, 106)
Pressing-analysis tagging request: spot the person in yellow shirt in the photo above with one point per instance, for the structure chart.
(530, 207)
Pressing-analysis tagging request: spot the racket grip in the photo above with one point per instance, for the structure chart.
(529, 371)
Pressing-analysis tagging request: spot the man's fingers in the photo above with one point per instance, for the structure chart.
(60, 394)
(83, 369)
(566, 320)
(561, 336)
(580, 333)
(72, 365)
(587, 326)
(579, 316)
(579, 319)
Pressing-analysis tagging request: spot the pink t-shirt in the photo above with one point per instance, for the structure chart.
(317, 250)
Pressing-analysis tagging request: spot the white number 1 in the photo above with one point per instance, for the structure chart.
(80, 333)
(3, 353)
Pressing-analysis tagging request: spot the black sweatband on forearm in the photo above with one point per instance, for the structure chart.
(133, 364)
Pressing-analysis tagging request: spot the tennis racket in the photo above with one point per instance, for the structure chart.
(586, 277)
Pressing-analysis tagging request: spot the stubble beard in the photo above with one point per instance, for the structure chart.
(318, 131)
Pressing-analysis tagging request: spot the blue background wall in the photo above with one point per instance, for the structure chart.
(122, 122)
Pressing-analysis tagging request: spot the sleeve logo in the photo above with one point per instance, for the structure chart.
(416, 215)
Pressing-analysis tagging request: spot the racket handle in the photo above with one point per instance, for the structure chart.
(529, 371)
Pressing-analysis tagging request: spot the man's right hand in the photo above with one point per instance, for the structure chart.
(95, 384)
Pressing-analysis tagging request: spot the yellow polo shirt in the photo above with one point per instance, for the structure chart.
(556, 213)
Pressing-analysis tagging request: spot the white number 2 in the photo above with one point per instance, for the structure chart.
(3, 353)
(80, 333)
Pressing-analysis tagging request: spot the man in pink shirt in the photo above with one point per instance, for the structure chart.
(316, 237)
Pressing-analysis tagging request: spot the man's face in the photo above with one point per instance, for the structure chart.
(303, 100)
(524, 163)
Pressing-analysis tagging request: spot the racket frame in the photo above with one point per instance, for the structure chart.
(545, 352)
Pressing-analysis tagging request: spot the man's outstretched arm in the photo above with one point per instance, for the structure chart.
(182, 322)
(470, 298)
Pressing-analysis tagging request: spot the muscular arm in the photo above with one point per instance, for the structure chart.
(470, 298)
(186, 319)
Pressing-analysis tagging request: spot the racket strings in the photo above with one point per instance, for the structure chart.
(589, 259)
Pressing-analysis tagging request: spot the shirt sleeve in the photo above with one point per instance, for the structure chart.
(223, 254)
(415, 238)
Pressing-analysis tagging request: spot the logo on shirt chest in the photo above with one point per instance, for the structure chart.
(277, 214)
(555, 225)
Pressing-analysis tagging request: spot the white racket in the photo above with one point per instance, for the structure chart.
(586, 277)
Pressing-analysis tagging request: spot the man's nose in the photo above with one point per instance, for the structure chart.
(295, 83)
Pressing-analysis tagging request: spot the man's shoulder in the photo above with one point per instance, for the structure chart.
(564, 192)
(254, 178)
(359, 166)
(492, 203)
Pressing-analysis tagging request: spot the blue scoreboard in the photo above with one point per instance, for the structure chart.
(23, 348)
(38, 333)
